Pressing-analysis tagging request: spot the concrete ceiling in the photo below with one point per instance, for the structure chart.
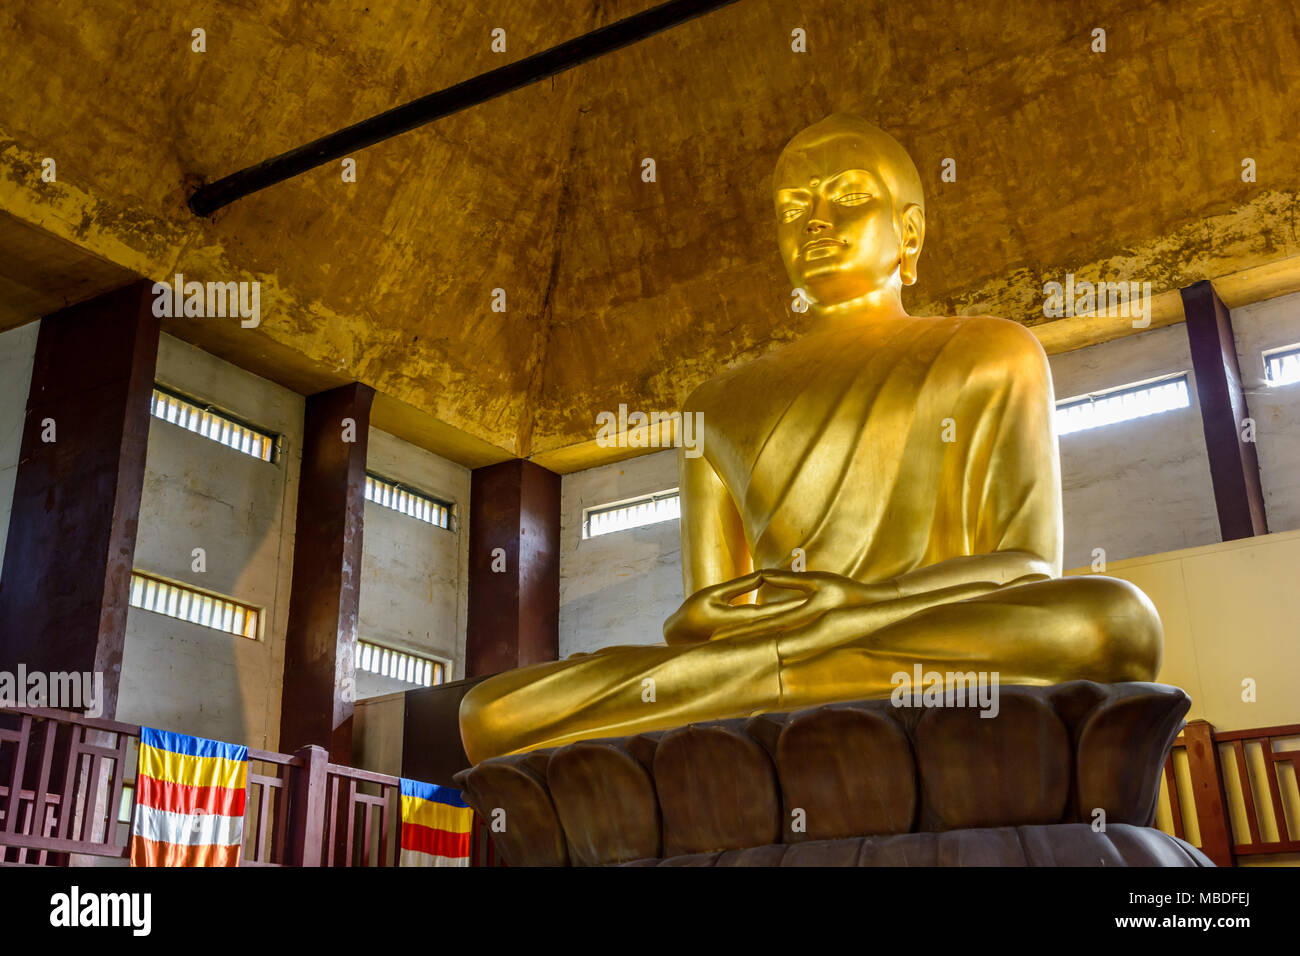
(1124, 165)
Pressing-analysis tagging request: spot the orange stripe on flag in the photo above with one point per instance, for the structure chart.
(154, 853)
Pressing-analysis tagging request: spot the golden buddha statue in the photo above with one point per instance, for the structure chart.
(882, 493)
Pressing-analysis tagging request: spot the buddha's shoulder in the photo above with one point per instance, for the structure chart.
(991, 336)
(707, 396)
(729, 385)
(983, 340)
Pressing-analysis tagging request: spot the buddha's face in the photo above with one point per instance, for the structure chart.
(837, 225)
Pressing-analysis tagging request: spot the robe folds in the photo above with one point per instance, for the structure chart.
(913, 443)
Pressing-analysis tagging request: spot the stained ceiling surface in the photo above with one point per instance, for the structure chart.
(1122, 165)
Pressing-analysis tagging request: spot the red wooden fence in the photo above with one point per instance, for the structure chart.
(1205, 750)
(63, 779)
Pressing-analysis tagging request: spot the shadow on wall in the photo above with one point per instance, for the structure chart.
(216, 519)
(624, 601)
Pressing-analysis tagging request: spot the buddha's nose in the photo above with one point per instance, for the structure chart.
(817, 225)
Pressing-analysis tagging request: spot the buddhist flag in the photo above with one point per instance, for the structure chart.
(189, 801)
(435, 825)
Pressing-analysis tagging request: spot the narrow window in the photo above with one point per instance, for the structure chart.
(400, 666)
(632, 513)
(1122, 404)
(1282, 366)
(204, 608)
(407, 501)
(192, 415)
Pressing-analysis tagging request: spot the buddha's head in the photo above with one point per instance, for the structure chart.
(850, 213)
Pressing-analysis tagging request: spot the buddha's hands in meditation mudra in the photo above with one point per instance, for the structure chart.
(710, 614)
(910, 465)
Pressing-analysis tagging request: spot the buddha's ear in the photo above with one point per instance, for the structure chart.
(912, 234)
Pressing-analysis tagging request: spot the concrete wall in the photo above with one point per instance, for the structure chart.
(414, 588)
(1267, 325)
(617, 588)
(200, 494)
(17, 351)
(1137, 487)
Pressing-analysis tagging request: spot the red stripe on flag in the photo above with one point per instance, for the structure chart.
(438, 842)
(156, 853)
(184, 798)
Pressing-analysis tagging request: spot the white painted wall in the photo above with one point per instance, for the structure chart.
(17, 352)
(414, 584)
(1267, 325)
(1138, 487)
(200, 494)
(617, 588)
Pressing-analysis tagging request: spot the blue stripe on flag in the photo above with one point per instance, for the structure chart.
(431, 791)
(191, 746)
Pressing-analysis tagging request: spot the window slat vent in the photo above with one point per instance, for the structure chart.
(1122, 404)
(634, 513)
(399, 665)
(413, 504)
(188, 414)
(1282, 366)
(203, 608)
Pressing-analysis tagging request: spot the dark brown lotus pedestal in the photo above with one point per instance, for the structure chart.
(1067, 775)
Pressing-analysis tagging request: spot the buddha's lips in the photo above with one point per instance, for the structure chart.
(823, 243)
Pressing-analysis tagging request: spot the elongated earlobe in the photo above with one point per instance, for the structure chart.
(913, 239)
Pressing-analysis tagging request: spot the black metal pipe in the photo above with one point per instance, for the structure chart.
(211, 197)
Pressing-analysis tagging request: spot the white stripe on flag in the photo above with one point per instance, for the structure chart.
(416, 858)
(188, 829)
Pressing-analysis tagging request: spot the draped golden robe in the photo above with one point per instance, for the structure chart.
(915, 453)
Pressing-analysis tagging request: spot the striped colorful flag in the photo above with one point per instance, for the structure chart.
(435, 825)
(189, 801)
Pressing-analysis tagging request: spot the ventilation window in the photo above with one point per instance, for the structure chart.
(203, 420)
(198, 607)
(399, 665)
(633, 513)
(1122, 404)
(1282, 366)
(413, 504)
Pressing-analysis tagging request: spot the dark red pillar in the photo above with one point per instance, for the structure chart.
(1234, 467)
(66, 582)
(514, 567)
(319, 668)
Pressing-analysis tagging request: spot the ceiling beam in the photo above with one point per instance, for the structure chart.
(479, 89)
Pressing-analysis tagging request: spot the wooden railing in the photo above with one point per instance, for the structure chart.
(58, 780)
(65, 780)
(1220, 798)
(266, 817)
(364, 813)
